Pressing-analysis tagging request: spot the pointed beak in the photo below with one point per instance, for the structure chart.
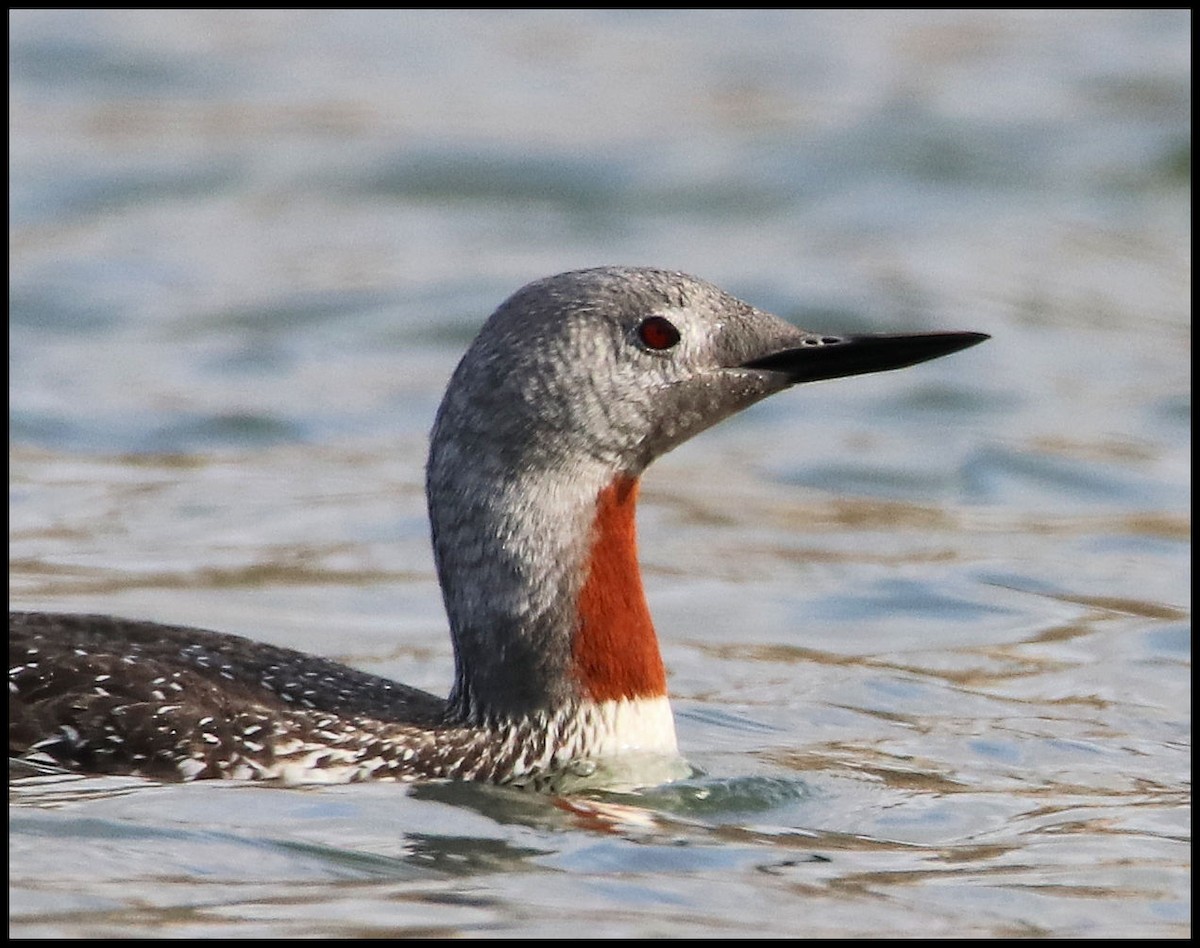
(831, 357)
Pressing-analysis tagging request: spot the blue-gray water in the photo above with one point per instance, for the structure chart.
(928, 632)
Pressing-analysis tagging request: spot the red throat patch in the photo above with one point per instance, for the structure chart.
(615, 651)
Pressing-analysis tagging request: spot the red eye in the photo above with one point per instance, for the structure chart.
(658, 333)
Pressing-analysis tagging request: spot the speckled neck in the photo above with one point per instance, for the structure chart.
(540, 578)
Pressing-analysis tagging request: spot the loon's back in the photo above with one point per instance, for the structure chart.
(103, 694)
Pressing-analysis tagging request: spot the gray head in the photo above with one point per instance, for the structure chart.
(612, 365)
(576, 382)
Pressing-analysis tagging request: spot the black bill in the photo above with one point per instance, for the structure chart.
(832, 357)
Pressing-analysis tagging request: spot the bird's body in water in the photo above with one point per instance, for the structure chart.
(571, 389)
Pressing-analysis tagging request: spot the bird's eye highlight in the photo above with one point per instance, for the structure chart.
(657, 333)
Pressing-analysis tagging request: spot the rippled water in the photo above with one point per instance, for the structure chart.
(928, 632)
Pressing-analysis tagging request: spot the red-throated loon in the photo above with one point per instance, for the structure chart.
(572, 387)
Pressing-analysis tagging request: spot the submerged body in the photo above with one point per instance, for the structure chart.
(572, 387)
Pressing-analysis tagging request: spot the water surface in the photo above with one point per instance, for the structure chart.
(928, 633)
